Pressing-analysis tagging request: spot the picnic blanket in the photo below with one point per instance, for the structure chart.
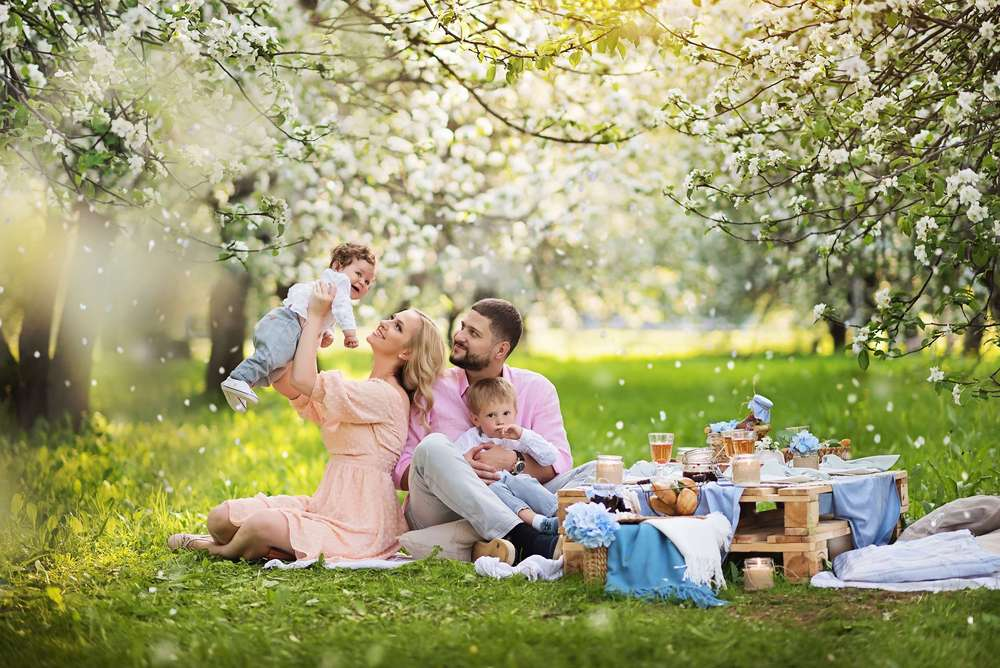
(701, 541)
(378, 564)
(871, 506)
(941, 562)
(643, 563)
(721, 498)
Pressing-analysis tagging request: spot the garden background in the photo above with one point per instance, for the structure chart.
(690, 201)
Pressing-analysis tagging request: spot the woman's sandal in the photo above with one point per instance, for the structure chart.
(182, 541)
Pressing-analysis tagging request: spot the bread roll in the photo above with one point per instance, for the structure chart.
(687, 502)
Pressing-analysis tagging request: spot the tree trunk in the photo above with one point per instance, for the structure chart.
(838, 331)
(8, 373)
(36, 326)
(227, 327)
(85, 307)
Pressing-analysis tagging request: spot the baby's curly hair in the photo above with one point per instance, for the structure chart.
(344, 254)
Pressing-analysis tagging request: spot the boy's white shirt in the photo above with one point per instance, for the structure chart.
(341, 310)
(531, 443)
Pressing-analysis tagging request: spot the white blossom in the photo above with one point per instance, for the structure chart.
(936, 375)
(923, 226)
(819, 310)
(956, 394)
(976, 212)
(882, 299)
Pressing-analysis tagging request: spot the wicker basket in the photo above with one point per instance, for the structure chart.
(842, 452)
(595, 564)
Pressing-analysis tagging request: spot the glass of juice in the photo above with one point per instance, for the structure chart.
(661, 445)
(743, 441)
(727, 441)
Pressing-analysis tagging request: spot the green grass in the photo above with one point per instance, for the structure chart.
(85, 577)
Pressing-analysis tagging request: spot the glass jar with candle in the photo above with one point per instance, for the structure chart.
(758, 574)
(610, 469)
(746, 470)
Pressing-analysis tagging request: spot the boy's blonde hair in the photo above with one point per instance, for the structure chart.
(488, 391)
(344, 254)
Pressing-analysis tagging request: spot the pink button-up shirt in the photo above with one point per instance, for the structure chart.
(537, 409)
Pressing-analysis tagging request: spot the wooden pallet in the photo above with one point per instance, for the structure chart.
(794, 531)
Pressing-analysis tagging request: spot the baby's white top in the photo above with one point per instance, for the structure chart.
(341, 311)
(531, 443)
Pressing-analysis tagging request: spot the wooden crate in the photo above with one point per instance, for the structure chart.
(572, 552)
(794, 531)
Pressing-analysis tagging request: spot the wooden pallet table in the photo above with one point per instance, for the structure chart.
(793, 531)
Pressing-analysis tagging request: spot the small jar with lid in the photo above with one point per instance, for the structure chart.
(746, 470)
(610, 469)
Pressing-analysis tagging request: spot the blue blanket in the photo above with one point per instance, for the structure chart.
(725, 499)
(644, 564)
(870, 505)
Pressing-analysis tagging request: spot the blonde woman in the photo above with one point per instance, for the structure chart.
(354, 514)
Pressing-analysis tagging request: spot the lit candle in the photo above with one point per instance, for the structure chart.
(610, 469)
(746, 470)
(758, 574)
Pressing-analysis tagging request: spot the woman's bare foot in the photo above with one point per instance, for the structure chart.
(186, 541)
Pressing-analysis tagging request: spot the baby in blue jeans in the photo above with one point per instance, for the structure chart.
(276, 335)
(493, 406)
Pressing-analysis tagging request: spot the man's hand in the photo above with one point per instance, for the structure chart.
(350, 339)
(512, 432)
(326, 339)
(495, 458)
(484, 470)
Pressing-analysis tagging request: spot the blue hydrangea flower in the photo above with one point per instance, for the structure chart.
(804, 443)
(591, 525)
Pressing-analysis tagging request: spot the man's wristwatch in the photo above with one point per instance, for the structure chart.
(519, 464)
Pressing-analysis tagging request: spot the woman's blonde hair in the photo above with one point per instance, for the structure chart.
(426, 362)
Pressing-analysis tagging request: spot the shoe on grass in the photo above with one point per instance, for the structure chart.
(238, 394)
(501, 548)
(182, 541)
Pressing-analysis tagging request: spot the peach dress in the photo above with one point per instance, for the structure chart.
(354, 514)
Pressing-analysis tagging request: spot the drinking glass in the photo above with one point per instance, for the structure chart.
(744, 441)
(727, 441)
(661, 445)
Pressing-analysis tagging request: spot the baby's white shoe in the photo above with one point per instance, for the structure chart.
(238, 393)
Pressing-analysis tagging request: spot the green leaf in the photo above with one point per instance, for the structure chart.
(55, 595)
(491, 72)
(574, 58)
(863, 360)
(981, 255)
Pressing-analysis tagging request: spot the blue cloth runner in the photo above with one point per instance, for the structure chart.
(643, 563)
(725, 499)
(871, 505)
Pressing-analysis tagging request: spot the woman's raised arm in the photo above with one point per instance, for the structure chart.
(303, 374)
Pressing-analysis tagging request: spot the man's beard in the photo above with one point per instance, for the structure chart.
(470, 362)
